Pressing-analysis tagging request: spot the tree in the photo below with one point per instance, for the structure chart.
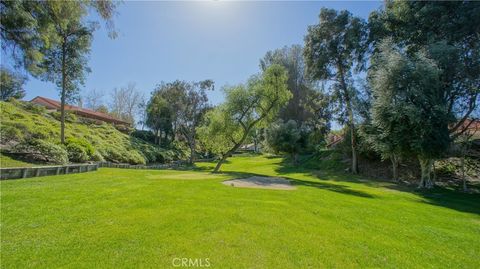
(159, 116)
(177, 108)
(448, 32)
(334, 49)
(53, 40)
(126, 103)
(11, 85)
(287, 137)
(291, 58)
(227, 126)
(27, 28)
(194, 104)
(408, 111)
(65, 59)
(94, 99)
(102, 109)
(309, 106)
(163, 109)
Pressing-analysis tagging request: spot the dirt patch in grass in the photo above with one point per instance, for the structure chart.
(257, 182)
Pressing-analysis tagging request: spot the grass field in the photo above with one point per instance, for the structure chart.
(115, 218)
(6, 161)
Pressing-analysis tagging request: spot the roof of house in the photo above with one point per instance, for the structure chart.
(88, 113)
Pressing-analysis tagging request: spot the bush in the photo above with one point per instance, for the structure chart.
(10, 133)
(43, 150)
(147, 136)
(69, 117)
(34, 108)
(134, 157)
(79, 150)
(97, 157)
(76, 153)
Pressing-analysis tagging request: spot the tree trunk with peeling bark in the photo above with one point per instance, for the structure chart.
(426, 170)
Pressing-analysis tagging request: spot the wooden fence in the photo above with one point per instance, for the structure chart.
(38, 171)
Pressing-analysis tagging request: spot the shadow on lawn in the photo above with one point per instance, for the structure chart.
(439, 196)
(320, 185)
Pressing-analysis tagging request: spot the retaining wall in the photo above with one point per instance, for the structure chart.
(38, 171)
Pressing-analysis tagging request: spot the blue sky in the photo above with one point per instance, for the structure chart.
(219, 40)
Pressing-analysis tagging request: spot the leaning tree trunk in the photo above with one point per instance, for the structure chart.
(230, 152)
(219, 164)
(426, 170)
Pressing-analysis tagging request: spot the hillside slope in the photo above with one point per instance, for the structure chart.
(28, 128)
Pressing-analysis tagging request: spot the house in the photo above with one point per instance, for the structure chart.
(53, 105)
(334, 139)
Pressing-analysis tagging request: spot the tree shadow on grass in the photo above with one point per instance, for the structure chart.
(338, 188)
(438, 196)
(332, 187)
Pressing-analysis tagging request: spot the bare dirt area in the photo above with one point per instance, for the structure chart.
(274, 183)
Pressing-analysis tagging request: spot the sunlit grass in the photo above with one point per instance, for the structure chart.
(118, 218)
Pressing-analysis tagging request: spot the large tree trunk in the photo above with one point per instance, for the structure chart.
(219, 164)
(426, 170)
(395, 163)
(350, 118)
(353, 139)
(192, 151)
(62, 99)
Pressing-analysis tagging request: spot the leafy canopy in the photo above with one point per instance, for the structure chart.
(255, 103)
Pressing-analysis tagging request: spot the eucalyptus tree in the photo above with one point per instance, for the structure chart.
(194, 104)
(334, 50)
(408, 109)
(309, 105)
(449, 32)
(160, 115)
(246, 106)
(177, 108)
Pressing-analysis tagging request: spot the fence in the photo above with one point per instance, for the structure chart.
(38, 171)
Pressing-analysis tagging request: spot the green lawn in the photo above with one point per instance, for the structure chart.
(6, 161)
(118, 218)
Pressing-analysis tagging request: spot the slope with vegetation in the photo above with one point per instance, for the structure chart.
(29, 131)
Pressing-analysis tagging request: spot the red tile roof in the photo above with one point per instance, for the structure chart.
(87, 113)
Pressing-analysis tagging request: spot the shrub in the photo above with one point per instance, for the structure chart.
(144, 135)
(43, 150)
(34, 108)
(83, 143)
(10, 133)
(69, 117)
(76, 153)
(79, 150)
(97, 157)
(134, 157)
